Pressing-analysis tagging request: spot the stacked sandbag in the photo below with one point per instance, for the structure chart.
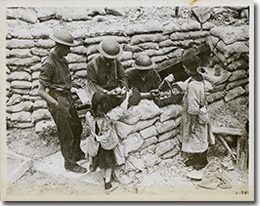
(230, 51)
(149, 134)
(164, 42)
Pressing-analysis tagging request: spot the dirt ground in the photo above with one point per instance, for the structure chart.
(168, 177)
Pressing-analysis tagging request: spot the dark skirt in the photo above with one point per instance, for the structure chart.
(104, 159)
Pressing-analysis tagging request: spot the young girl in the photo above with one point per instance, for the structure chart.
(194, 121)
(102, 129)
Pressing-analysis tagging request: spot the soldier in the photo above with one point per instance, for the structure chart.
(55, 77)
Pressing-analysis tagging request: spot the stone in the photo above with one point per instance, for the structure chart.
(171, 27)
(80, 74)
(29, 16)
(43, 31)
(157, 59)
(148, 109)
(123, 130)
(39, 104)
(231, 34)
(166, 43)
(73, 58)
(148, 132)
(234, 93)
(171, 153)
(19, 44)
(216, 80)
(98, 39)
(237, 83)
(27, 62)
(246, 87)
(22, 106)
(20, 33)
(142, 38)
(126, 56)
(149, 45)
(40, 114)
(202, 13)
(45, 43)
(151, 159)
(23, 125)
(207, 25)
(170, 112)
(41, 125)
(46, 13)
(190, 25)
(219, 87)
(115, 11)
(178, 121)
(21, 91)
(215, 96)
(143, 124)
(77, 66)
(40, 52)
(79, 49)
(168, 135)
(36, 67)
(135, 163)
(165, 146)
(21, 84)
(165, 126)
(132, 143)
(14, 99)
(19, 75)
(229, 50)
(148, 27)
(149, 141)
(34, 92)
(238, 74)
(21, 116)
(20, 53)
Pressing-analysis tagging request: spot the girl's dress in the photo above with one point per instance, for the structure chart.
(194, 100)
(104, 158)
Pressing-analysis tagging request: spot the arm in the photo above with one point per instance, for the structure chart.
(44, 95)
(122, 76)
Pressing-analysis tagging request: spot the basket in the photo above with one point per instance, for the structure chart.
(173, 94)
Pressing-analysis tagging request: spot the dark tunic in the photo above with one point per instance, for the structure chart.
(151, 81)
(55, 75)
(106, 76)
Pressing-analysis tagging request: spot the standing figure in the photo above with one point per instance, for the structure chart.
(103, 132)
(55, 76)
(194, 119)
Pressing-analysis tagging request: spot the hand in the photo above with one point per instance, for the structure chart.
(74, 90)
(170, 78)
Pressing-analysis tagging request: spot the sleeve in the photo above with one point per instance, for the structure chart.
(122, 76)
(193, 97)
(92, 76)
(157, 79)
(46, 74)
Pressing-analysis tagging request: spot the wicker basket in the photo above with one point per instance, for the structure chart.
(175, 94)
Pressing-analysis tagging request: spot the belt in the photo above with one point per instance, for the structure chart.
(56, 93)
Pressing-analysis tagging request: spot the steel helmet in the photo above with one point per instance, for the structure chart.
(110, 48)
(143, 62)
(62, 36)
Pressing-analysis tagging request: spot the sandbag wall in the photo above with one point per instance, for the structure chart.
(162, 33)
(148, 134)
(230, 54)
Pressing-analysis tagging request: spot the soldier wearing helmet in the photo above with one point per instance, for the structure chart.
(106, 71)
(54, 87)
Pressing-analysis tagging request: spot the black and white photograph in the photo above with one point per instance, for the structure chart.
(128, 101)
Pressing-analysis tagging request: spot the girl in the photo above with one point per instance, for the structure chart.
(194, 119)
(102, 128)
